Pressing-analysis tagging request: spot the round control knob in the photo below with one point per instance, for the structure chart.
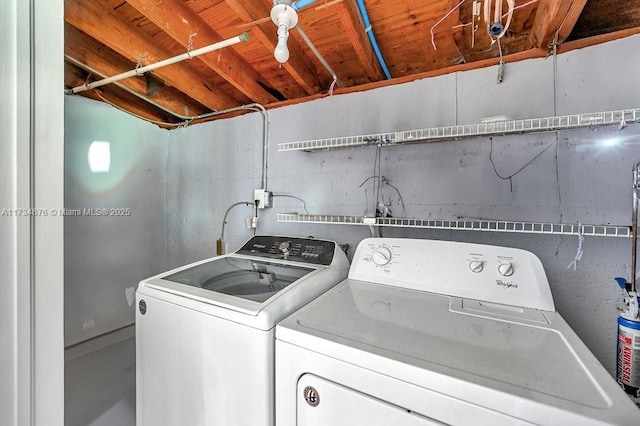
(505, 269)
(381, 256)
(284, 246)
(476, 266)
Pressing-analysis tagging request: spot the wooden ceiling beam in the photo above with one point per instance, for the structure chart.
(180, 22)
(298, 66)
(353, 24)
(92, 18)
(115, 96)
(99, 57)
(554, 16)
(129, 104)
(570, 20)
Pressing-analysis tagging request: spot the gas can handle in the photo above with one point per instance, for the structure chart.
(622, 282)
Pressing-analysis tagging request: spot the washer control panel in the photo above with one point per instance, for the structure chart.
(475, 271)
(305, 250)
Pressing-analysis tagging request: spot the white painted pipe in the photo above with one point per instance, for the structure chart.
(140, 71)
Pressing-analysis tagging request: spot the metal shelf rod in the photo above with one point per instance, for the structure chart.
(465, 225)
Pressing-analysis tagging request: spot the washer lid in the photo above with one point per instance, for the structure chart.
(250, 279)
(236, 286)
(517, 350)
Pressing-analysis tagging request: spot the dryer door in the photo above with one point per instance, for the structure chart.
(322, 402)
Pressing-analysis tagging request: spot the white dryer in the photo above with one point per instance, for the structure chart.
(435, 332)
(205, 331)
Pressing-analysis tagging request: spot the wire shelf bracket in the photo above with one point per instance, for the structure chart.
(464, 225)
(493, 128)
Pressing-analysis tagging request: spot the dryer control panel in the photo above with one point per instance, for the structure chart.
(488, 273)
(305, 250)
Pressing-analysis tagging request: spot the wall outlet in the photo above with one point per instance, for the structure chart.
(262, 198)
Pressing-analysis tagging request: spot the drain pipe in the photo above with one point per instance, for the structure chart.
(141, 70)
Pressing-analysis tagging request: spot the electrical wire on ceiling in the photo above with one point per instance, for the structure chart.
(495, 27)
(497, 18)
(433, 41)
(159, 123)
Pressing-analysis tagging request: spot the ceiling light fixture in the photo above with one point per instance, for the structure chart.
(285, 17)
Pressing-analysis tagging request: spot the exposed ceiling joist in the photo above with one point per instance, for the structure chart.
(76, 76)
(298, 66)
(181, 23)
(98, 57)
(554, 17)
(352, 21)
(418, 39)
(103, 25)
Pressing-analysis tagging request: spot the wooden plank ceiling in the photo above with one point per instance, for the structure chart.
(416, 38)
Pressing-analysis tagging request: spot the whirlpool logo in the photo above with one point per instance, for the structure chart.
(506, 284)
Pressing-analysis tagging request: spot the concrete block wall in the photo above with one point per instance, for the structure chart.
(567, 177)
(180, 183)
(107, 255)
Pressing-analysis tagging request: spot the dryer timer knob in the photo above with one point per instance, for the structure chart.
(505, 269)
(381, 256)
(476, 266)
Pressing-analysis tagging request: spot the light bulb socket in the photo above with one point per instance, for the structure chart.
(285, 17)
(284, 14)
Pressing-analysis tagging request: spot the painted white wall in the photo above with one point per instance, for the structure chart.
(574, 180)
(106, 256)
(31, 247)
(9, 129)
(179, 184)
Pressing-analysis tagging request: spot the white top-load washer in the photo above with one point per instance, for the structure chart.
(205, 331)
(436, 332)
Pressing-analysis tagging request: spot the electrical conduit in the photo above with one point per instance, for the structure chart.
(188, 118)
(141, 70)
(367, 28)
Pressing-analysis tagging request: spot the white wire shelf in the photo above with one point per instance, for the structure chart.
(465, 225)
(494, 128)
